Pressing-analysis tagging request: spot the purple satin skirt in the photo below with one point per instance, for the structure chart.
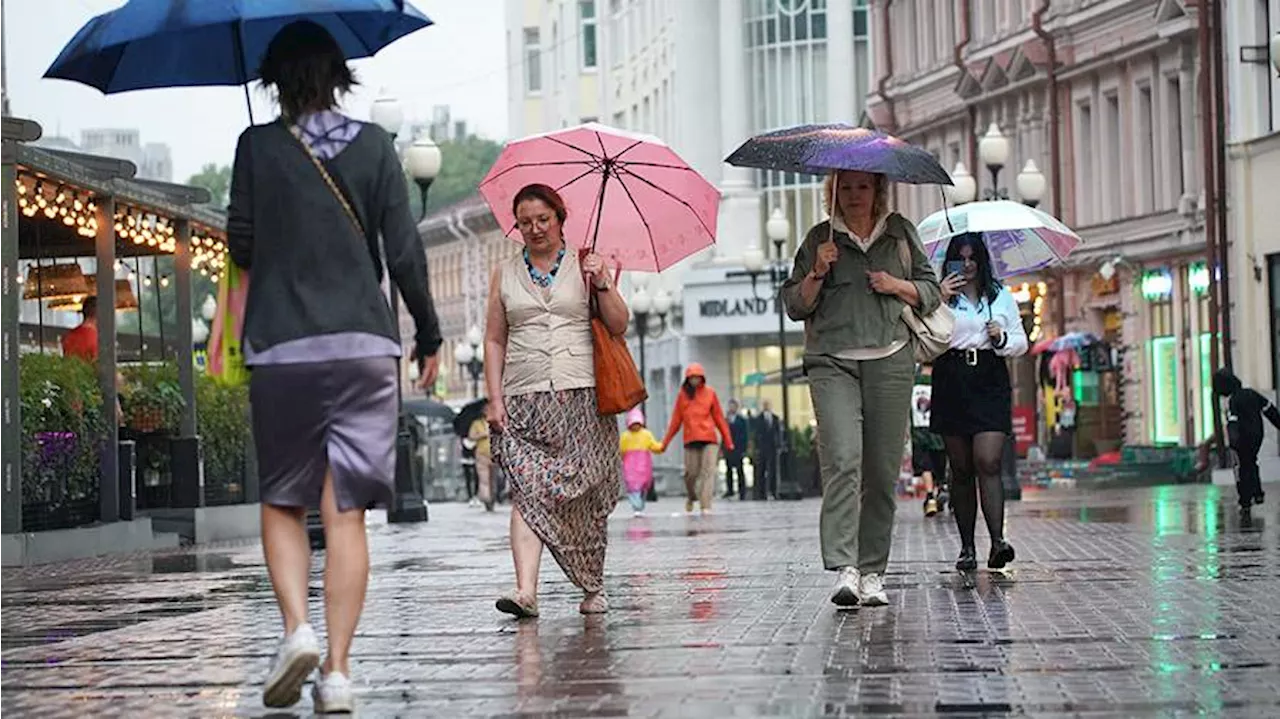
(316, 416)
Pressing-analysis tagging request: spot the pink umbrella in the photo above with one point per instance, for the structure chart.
(630, 196)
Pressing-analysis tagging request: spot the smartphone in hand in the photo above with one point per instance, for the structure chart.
(954, 267)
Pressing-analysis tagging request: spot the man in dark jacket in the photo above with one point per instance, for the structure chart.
(1245, 409)
(739, 431)
(768, 440)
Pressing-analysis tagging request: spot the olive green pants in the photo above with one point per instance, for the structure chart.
(862, 408)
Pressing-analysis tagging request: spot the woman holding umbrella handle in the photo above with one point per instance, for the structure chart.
(559, 454)
(849, 285)
(972, 396)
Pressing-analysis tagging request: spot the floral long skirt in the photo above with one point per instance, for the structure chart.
(561, 459)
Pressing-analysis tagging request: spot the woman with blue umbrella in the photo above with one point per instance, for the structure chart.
(310, 195)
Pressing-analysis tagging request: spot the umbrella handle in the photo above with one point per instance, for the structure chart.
(946, 215)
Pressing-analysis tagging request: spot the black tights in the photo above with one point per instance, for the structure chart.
(979, 455)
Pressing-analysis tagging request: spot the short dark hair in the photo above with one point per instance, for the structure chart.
(89, 307)
(307, 68)
(547, 194)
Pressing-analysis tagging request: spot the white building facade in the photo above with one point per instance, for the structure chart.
(704, 76)
(1251, 47)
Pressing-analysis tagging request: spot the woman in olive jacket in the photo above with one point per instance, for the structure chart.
(849, 285)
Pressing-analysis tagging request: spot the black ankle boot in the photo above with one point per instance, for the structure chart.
(1001, 554)
(968, 560)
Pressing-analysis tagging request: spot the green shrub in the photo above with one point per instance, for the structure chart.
(222, 420)
(62, 431)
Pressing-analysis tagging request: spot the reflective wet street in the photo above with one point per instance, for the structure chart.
(1122, 602)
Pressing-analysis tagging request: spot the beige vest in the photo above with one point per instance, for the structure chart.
(548, 330)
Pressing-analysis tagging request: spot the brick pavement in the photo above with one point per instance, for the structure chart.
(1122, 602)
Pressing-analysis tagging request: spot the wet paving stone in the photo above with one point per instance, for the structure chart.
(1140, 602)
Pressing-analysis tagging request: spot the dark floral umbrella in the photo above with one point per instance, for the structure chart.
(819, 149)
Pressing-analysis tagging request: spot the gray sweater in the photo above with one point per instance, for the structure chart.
(311, 273)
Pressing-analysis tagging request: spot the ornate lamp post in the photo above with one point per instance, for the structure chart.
(644, 308)
(422, 160)
(777, 229)
(470, 355)
(993, 149)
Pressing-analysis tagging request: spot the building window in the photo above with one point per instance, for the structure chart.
(617, 37)
(1086, 183)
(1146, 137)
(532, 60)
(1111, 151)
(1173, 137)
(587, 17)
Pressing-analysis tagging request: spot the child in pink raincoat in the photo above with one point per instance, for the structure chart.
(638, 445)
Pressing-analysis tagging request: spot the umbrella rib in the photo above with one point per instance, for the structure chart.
(520, 165)
(630, 163)
(572, 146)
(624, 150)
(643, 220)
(668, 193)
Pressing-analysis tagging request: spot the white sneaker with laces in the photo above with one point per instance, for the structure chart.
(847, 588)
(872, 591)
(298, 656)
(331, 694)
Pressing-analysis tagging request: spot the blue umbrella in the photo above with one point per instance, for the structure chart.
(192, 43)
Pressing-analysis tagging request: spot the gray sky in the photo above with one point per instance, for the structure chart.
(460, 61)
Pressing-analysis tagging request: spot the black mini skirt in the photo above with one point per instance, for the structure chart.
(971, 394)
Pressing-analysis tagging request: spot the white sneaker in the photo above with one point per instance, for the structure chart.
(331, 694)
(872, 591)
(847, 588)
(298, 656)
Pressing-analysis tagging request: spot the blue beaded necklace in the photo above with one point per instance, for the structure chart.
(540, 278)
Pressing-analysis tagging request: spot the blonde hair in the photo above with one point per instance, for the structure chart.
(879, 206)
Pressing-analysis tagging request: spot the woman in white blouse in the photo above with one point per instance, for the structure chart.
(972, 397)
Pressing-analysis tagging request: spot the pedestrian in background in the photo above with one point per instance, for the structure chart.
(768, 442)
(972, 405)
(311, 194)
(698, 414)
(1245, 409)
(849, 285)
(637, 445)
(739, 430)
(928, 453)
(558, 453)
(479, 434)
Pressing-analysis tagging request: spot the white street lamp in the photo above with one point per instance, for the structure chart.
(199, 331)
(662, 302)
(387, 113)
(209, 308)
(993, 148)
(463, 354)
(422, 159)
(753, 260)
(778, 229)
(474, 336)
(1275, 52)
(1031, 184)
(641, 303)
(963, 188)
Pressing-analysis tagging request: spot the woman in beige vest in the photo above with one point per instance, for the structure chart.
(559, 454)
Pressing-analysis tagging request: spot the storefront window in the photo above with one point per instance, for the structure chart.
(756, 378)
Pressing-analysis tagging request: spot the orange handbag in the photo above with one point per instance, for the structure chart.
(618, 384)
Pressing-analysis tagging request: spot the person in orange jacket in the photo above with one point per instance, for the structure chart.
(698, 413)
